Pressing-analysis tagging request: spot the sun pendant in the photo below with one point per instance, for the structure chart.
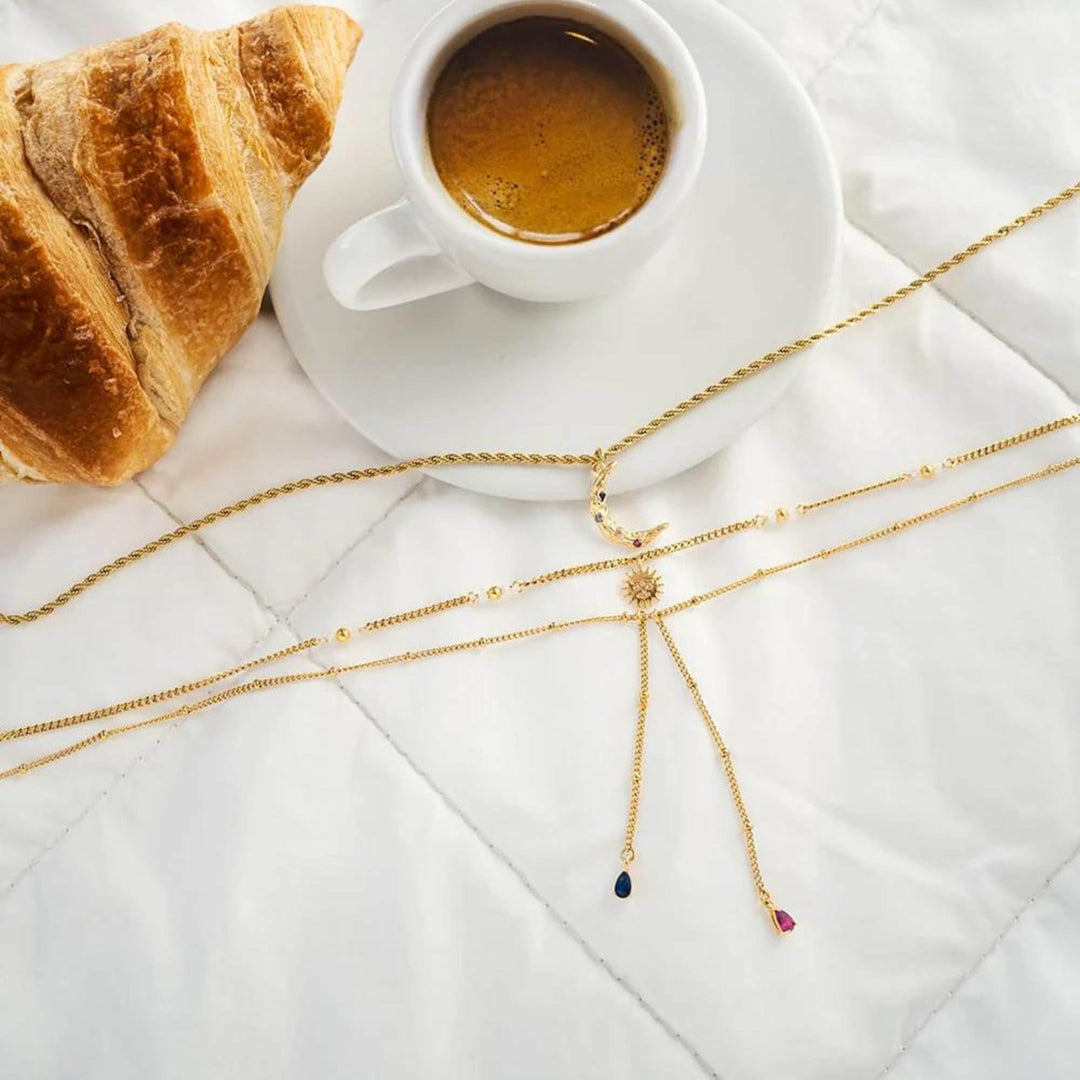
(642, 587)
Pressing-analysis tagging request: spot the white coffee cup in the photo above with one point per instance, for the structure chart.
(426, 243)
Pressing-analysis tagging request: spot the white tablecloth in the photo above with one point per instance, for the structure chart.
(408, 873)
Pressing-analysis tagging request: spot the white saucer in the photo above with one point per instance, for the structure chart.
(748, 266)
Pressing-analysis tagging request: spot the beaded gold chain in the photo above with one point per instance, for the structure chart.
(780, 516)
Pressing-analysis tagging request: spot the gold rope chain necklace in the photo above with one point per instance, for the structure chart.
(600, 462)
(644, 599)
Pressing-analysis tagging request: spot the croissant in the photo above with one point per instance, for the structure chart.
(143, 185)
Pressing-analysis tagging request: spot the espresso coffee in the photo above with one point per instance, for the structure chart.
(547, 130)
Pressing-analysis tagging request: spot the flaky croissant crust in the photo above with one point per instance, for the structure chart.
(143, 185)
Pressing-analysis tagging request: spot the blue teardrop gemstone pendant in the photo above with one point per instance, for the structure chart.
(623, 885)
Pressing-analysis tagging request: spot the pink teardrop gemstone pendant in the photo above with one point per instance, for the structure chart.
(782, 921)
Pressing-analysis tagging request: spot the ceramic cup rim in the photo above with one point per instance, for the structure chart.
(631, 22)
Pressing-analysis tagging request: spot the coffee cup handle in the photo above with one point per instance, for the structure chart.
(388, 258)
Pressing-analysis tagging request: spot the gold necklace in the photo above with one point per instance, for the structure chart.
(780, 516)
(643, 598)
(642, 587)
(600, 462)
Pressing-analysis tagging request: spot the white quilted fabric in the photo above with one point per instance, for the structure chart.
(408, 874)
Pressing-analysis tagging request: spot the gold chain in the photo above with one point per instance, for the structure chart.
(770, 358)
(601, 464)
(267, 683)
(781, 921)
(870, 537)
(421, 612)
(1011, 441)
(693, 601)
(520, 458)
(156, 699)
(123, 729)
(291, 488)
(621, 561)
(725, 759)
(866, 489)
(636, 772)
(781, 515)
(481, 642)
(540, 579)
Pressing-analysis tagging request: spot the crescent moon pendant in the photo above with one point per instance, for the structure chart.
(609, 528)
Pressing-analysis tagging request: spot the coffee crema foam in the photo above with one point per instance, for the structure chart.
(547, 130)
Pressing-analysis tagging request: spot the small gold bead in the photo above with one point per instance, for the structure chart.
(781, 515)
(926, 471)
(495, 592)
(343, 634)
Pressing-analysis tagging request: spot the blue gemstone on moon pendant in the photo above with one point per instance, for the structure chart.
(623, 885)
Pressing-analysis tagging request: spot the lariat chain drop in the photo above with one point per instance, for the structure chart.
(637, 770)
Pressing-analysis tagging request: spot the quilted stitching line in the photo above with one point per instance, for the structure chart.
(939, 290)
(981, 959)
(853, 35)
(424, 777)
(276, 621)
(856, 32)
(240, 580)
(519, 874)
(116, 781)
(363, 535)
(213, 555)
(421, 774)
